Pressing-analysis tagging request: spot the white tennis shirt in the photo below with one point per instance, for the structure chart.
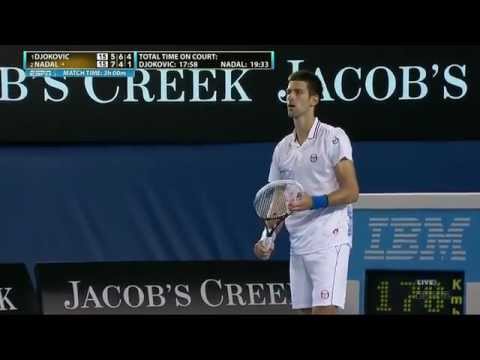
(312, 164)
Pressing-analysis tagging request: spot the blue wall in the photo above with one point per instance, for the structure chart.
(157, 202)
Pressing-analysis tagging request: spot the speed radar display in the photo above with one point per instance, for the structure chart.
(414, 292)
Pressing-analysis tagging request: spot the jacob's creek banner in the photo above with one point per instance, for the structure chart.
(16, 291)
(217, 287)
(373, 92)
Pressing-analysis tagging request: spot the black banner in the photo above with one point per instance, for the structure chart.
(16, 291)
(215, 287)
(373, 92)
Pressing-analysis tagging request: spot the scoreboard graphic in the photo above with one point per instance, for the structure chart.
(124, 63)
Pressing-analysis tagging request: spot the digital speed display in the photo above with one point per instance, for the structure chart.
(414, 292)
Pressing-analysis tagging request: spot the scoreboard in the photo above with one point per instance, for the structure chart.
(124, 63)
(414, 292)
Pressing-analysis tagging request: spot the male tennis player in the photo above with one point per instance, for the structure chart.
(319, 157)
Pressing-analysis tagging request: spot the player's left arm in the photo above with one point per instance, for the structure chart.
(348, 189)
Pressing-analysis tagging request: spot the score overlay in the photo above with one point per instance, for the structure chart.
(125, 63)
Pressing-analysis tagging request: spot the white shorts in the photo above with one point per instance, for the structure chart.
(319, 278)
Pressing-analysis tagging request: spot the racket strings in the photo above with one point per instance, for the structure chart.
(272, 204)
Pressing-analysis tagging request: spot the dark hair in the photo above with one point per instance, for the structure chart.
(314, 84)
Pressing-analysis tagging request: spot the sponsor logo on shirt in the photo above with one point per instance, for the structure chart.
(324, 294)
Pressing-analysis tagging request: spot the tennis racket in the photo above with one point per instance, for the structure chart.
(271, 202)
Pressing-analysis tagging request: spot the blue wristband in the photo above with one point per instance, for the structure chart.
(319, 202)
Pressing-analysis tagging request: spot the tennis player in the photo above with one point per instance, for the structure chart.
(319, 157)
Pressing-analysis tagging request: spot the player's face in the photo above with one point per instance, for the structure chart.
(299, 100)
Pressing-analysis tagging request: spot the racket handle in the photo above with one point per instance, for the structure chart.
(265, 235)
(268, 241)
